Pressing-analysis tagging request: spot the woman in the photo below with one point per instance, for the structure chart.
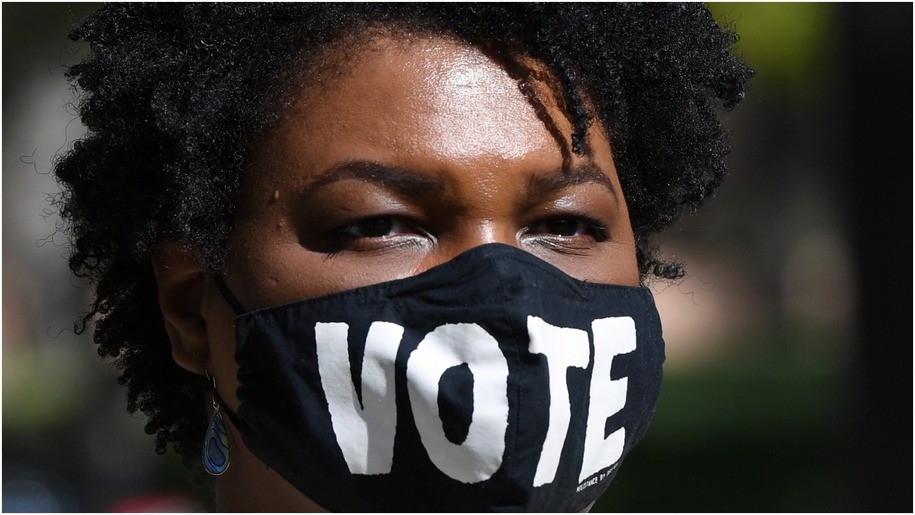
(389, 257)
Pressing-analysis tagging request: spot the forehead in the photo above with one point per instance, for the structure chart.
(423, 97)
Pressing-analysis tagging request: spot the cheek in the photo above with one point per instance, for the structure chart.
(614, 263)
(273, 268)
(622, 267)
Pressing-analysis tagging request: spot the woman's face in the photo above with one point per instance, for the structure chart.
(400, 159)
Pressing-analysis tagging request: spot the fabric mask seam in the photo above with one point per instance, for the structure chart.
(517, 353)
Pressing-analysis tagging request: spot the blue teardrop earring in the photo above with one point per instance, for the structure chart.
(216, 440)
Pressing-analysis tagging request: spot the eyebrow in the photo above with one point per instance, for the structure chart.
(557, 180)
(403, 181)
(410, 183)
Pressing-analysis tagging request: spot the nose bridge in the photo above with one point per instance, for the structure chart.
(484, 197)
(472, 232)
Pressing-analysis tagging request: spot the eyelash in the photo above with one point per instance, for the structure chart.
(592, 227)
(383, 225)
(377, 223)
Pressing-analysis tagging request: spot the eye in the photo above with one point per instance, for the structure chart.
(561, 227)
(375, 227)
(378, 233)
(381, 227)
(569, 227)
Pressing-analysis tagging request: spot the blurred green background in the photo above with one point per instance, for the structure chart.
(788, 384)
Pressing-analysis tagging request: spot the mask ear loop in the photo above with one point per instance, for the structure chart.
(216, 441)
(228, 296)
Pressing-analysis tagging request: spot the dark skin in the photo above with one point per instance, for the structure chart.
(409, 154)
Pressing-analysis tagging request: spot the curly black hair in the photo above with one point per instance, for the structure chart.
(175, 94)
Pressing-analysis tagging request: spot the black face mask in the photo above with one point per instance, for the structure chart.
(493, 382)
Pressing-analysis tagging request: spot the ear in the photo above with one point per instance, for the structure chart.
(181, 277)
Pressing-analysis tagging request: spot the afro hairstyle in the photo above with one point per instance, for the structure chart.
(174, 94)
